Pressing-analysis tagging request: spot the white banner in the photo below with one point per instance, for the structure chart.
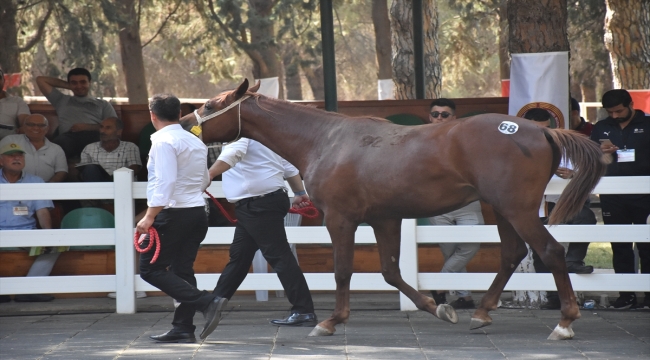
(269, 87)
(540, 80)
(386, 89)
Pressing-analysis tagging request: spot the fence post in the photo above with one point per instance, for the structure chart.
(408, 262)
(124, 251)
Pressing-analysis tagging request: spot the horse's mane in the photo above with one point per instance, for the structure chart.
(311, 107)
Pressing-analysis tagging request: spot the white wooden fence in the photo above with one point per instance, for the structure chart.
(126, 281)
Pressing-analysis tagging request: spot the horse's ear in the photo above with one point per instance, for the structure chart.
(256, 87)
(241, 90)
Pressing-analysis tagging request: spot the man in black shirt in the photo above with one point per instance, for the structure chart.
(626, 135)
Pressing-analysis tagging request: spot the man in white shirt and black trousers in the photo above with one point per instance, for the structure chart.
(178, 175)
(253, 179)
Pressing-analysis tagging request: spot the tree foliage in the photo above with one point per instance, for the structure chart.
(469, 43)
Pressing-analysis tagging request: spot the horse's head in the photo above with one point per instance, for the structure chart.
(219, 117)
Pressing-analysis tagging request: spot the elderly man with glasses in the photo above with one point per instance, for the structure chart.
(43, 158)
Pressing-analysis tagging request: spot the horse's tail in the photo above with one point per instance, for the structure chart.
(589, 165)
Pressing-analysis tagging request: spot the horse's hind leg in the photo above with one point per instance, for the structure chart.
(513, 250)
(342, 233)
(387, 232)
(552, 254)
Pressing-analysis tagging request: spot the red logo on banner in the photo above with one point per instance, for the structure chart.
(552, 109)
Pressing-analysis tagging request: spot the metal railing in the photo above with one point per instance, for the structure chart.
(126, 281)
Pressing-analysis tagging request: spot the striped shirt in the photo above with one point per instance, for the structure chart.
(125, 155)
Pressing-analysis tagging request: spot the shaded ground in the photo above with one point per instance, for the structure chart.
(89, 329)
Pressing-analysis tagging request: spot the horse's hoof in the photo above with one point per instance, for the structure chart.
(478, 323)
(321, 331)
(561, 333)
(447, 313)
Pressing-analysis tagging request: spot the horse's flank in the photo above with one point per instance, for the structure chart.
(422, 164)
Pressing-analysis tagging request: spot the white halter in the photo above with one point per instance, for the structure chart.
(237, 103)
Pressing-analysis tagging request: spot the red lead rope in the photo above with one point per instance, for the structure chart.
(308, 211)
(153, 238)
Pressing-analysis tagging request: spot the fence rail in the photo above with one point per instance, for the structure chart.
(126, 281)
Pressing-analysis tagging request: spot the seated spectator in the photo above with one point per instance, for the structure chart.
(456, 255)
(19, 215)
(13, 110)
(577, 122)
(79, 115)
(100, 159)
(576, 252)
(42, 157)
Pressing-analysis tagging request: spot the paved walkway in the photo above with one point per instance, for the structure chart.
(89, 329)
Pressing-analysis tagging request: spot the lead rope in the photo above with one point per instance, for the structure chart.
(153, 238)
(309, 211)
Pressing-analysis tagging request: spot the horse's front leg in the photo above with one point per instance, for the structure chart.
(387, 232)
(342, 235)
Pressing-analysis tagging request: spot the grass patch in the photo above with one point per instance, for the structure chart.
(599, 255)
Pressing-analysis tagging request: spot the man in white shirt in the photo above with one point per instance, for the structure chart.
(253, 179)
(178, 175)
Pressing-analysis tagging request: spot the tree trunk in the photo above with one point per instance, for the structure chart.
(627, 37)
(316, 79)
(588, 94)
(290, 59)
(381, 24)
(537, 26)
(9, 49)
(402, 35)
(504, 58)
(264, 50)
(9, 55)
(131, 52)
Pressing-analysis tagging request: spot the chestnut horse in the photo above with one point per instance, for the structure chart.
(369, 170)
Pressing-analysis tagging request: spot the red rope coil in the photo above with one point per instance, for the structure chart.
(153, 239)
(309, 211)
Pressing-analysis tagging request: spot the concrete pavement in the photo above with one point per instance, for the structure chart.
(89, 329)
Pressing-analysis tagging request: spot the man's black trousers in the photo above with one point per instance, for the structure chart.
(260, 225)
(627, 209)
(181, 231)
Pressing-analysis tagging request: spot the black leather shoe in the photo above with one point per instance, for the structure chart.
(297, 319)
(174, 337)
(33, 298)
(580, 269)
(212, 316)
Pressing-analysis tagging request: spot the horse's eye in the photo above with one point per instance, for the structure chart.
(207, 106)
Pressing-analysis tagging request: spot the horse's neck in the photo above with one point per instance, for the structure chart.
(294, 132)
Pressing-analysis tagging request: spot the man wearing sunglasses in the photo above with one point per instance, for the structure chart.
(456, 255)
(442, 110)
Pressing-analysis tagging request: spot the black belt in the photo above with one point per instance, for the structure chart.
(276, 192)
